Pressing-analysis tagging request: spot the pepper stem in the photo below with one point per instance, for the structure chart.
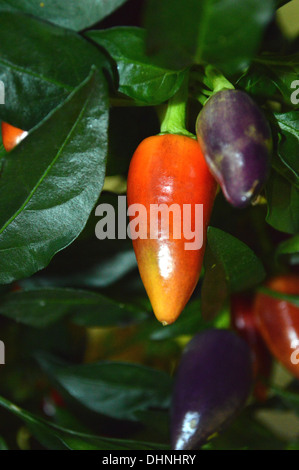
(215, 80)
(173, 117)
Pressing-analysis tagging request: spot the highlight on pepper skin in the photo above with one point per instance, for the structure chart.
(169, 169)
(11, 136)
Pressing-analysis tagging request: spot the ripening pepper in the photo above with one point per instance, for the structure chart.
(244, 323)
(170, 169)
(236, 141)
(212, 384)
(11, 136)
(278, 321)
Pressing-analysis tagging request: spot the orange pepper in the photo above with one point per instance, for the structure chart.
(11, 136)
(169, 169)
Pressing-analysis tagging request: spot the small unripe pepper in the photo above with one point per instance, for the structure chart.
(170, 169)
(278, 321)
(244, 322)
(212, 384)
(236, 141)
(11, 136)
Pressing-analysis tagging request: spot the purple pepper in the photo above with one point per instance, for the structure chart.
(236, 141)
(212, 384)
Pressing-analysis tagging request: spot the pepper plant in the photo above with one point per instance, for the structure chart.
(87, 364)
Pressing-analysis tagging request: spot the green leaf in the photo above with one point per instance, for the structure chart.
(51, 182)
(89, 262)
(76, 15)
(288, 145)
(241, 266)
(58, 438)
(77, 266)
(256, 81)
(283, 204)
(290, 249)
(42, 307)
(139, 78)
(36, 79)
(273, 76)
(230, 266)
(114, 389)
(281, 71)
(207, 31)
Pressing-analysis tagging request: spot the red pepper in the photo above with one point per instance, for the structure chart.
(11, 136)
(169, 169)
(244, 322)
(278, 321)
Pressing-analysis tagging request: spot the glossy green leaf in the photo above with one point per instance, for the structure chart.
(51, 182)
(288, 145)
(40, 64)
(230, 266)
(114, 389)
(42, 307)
(290, 249)
(282, 72)
(283, 204)
(77, 15)
(55, 437)
(139, 78)
(257, 82)
(89, 263)
(207, 31)
(275, 77)
(242, 267)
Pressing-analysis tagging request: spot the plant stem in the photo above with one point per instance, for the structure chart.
(215, 80)
(173, 119)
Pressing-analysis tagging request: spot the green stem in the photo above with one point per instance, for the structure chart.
(173, 119)
(201, 98)
(215, 80)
